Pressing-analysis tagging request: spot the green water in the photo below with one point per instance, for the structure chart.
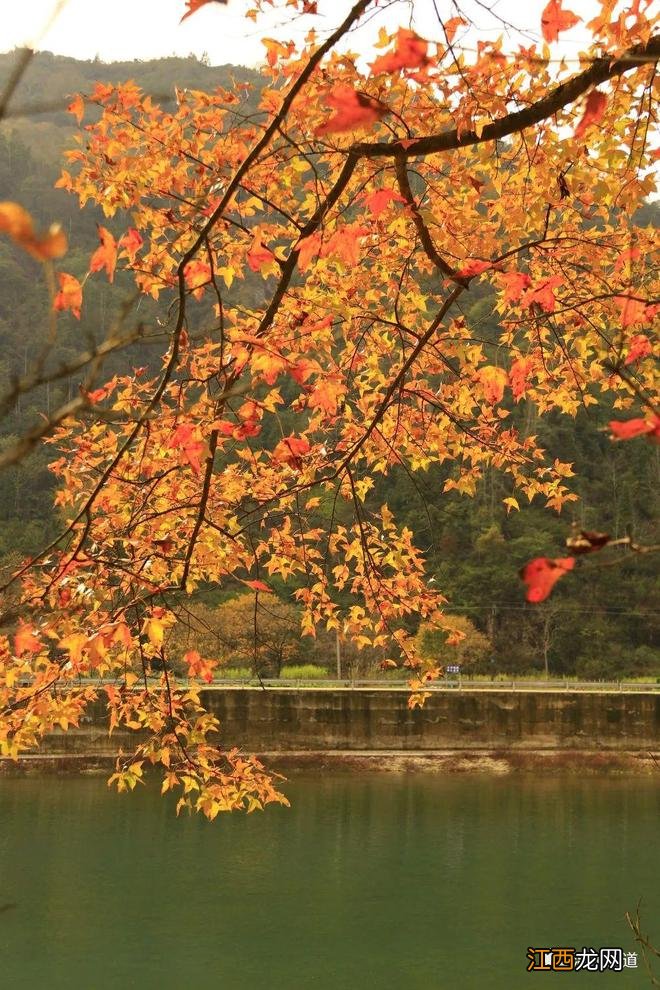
(369, 881)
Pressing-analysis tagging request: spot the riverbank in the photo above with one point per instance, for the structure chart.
(467, 731)
(542, 763)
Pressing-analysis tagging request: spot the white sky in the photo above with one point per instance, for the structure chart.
(145, 29)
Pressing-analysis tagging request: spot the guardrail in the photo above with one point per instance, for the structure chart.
(444, 684)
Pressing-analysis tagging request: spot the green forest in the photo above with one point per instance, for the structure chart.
(601, 622)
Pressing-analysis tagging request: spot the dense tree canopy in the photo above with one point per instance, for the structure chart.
(396, 266)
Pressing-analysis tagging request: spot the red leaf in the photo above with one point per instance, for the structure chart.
(541, 574)
(410, 53)
(307, 248)
(70, 294)
(198, 667)
(353, 110)
(258, 255)
(345, 243)
(631, 428)
(639, 346)
(105, 256)
(515, 284)
(290, 450)
(257, 586)
(632, 311)
(379, 200)
(519, 375)
(593, 111)
(554, 20)
(191, 447)
(131, 242)
(452, 26)
(25, 641)
(474, 267)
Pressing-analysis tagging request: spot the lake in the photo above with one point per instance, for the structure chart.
(395, 882)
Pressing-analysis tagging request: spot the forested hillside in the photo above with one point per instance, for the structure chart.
(600, 623)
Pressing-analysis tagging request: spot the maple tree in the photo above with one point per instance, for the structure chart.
(370, 201)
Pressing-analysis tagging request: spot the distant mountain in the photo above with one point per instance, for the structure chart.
(37, 112)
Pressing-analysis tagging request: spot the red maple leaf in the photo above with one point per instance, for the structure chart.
(639, 346)
(515, 284)
(353, 110)
(131, 242)
(631, 428)
(632, 311)
(541, 574)
(191, 447)
(25, 641)
(379, 200)
(258, 255)
(519, 376)
(593, 111)
(554, 20)
(257, 585)
(474, 267)
(290, 450)
(409, 53)
(198, 667)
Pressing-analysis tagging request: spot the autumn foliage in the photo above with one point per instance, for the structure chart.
(367, 202)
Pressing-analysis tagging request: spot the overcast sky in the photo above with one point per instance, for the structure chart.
(144, 29)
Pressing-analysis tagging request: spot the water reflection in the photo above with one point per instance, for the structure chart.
(390, 881)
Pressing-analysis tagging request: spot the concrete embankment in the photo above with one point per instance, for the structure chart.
(488, 730)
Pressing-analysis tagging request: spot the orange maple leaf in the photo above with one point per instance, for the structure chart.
(543, 295)
(554, 19)
(345, 243)
(518, 376)
(105, 255)
(77, 107)
(409, 53)
(493, 381)
(17, 222)
(197, 275)
(198, 667)
(474, 267)
(593, 111)
(353, 110)
(70, 294)
(194, 5)
(326, 395)
(25, 641)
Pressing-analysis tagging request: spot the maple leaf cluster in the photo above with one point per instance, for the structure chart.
(361, 208)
